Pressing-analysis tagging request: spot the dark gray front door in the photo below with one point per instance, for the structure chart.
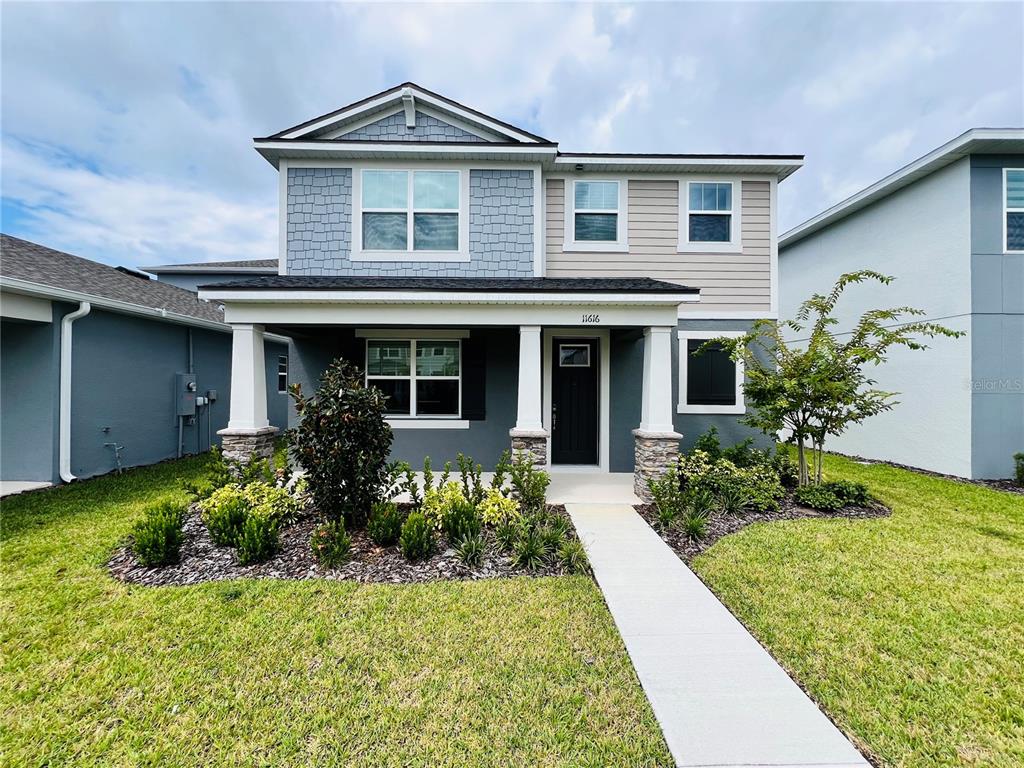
(574, 401)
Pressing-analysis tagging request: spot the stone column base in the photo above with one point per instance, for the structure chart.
(655, 452)
(247, 444)
(533, 442)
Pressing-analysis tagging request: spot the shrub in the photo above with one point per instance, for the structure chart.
(501, 471)
(417, 537)
(330, 543)
(1018, 460)
(732, 499)
(529, 484)
(530, 549)
(850, 493)
(667, 493)
(471, 550)
(506, 533)
(342, 441)
(257, 541)
(471, 484)
(224, 512)
(695, 523)
(496, 507)
(701, 501)
(760, 482)
(272, 502)
(438, 502)
(819, 497)
(158, 535)
(551, 538)
(461, 521)
(572, 557)
(385, 525)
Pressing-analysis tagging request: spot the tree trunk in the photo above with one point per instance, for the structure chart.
(802, 462)
(819, 451)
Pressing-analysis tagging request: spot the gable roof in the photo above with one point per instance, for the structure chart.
(27, 267)
(358, 110)
(260, 266)
(976, 141)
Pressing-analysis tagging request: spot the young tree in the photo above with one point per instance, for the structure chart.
(818, 386)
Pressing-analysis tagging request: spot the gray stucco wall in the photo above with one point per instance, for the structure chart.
(28, 382)
(191, 281)
(997, 325)
(428, 128)
(501, 222)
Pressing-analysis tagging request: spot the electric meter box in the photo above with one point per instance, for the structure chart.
(185, 394)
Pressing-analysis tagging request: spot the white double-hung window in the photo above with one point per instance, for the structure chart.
(411, 215)
(595, 217)
(1013, 210)
(421, 377)
(709, 216)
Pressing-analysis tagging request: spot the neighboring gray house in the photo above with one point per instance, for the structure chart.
(100, 365)
(503, 292)
(191, 276)
(950, 228)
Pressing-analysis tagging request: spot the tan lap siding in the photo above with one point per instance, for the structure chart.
(728, 281)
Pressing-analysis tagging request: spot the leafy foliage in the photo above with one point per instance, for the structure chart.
(417, 538)
(272, 502)
(695, 522)
(529, 484)
(572, 557)
(385, 524)
(819, 497)
(472, 486)
(223, 512)
(759, 483)
(438, 502)
(669, 499)
(849, 492)
(530, 549)
(343, 443)
(496, 507)
(505, 533)
(258, 539)
(1018, 462)
(732, 499)
(470, 550)
(331, 544)
(818, 387)
(158, 536)
(461, 521)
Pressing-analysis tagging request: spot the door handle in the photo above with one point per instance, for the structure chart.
(554, 415)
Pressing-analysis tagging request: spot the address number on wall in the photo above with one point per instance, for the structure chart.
(591, 318)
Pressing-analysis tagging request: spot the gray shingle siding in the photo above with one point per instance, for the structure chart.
(501, 227)
(427, 128)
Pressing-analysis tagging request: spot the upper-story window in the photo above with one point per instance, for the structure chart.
(411, 214)
(709, 216)
(1013, 209)
(595, 216)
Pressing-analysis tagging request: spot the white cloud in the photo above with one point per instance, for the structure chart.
(891, 148)
(603, 128)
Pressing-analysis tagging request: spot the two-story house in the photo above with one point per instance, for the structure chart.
(504, 293)
(950, 228)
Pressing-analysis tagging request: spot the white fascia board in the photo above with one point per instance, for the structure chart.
(201, 268)
(443, 297)
(114, 305)
(566, 162)
(938, 158)
(408, 147)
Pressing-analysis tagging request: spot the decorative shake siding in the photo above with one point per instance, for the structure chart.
(500, 227)
(392, 128)
(728, 281)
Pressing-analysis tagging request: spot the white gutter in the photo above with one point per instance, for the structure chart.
(65, 388)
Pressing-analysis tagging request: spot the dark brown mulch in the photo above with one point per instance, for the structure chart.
(1010, 486)
(722, 524)
(203, 561)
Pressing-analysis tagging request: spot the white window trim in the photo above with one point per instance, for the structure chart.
(282, 359)
(735, 244)
(358, 253)
(1008, 210)
(621, 242)
(683, 406)
(412, 378)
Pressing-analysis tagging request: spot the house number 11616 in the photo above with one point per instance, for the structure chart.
(591, 318)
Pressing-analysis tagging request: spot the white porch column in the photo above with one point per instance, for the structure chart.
(529, 434)
(657, 442)
(248, 434)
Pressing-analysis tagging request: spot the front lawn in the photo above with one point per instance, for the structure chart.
(908, 630)
(95, 672)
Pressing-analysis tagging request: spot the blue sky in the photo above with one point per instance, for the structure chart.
(126, 128)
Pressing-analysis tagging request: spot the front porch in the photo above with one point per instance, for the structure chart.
(576, 373)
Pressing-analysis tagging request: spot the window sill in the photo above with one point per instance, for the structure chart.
(411, 256)
(415, 423)
(712, 409)
(710, 247)
(596, 246)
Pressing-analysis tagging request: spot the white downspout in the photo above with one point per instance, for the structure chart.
(65, 389)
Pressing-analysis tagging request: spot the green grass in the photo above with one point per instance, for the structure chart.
(513, 672)
(909, 630)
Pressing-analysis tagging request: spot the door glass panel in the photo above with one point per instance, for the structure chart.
(574, 355)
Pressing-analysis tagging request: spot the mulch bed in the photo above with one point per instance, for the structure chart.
(202, 560)
(721, 524)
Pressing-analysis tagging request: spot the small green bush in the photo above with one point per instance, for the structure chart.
(695, 523)
(530, 549)
(529, 484)
(471, 550)
(702, 501)
(385, 525)
(331, 544)
(417, 537)
(506, 533)
(668, 496)
(496, 507)
(472, 486)
(819, 497)
(732, 499)
(159, 536)
(759, 482)
(461, 521)
(550, 537)
(438, 502)
(224, 512)
(849, 492)
(258, 539)
(272, 502)
(572, 557)
(1018, 460)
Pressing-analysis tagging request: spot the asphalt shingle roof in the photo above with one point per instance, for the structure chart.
(497, 285)
(35, 263)
(205, 266)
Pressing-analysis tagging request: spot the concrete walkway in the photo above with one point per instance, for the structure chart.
(719, 697)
